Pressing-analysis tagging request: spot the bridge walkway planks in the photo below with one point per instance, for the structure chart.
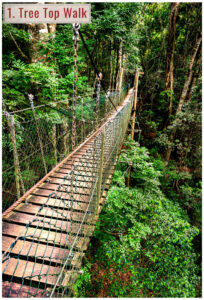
(43, 245)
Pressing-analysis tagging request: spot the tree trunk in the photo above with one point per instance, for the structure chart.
(194, 79)
(189, 77)
(193, 82)
(111, 66)
(38, 33)
(183, 97)
(121, 77)
(119, 68)
(170, 53)
(113, 77)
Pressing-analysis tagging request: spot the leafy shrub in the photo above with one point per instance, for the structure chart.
(144, 235)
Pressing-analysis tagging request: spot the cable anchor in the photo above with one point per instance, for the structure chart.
(76, 27)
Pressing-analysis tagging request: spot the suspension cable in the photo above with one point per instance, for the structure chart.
(94, 66)
(75, 38)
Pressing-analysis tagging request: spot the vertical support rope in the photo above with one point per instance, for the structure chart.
(54, 141)
(106, 102)
(98, 89)
(18, 177)
(75, 38)
(30, 96)
(100, 172)
(134, 104)
(83, 121)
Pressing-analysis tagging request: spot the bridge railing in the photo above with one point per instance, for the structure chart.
(48, 253)
(32, 144)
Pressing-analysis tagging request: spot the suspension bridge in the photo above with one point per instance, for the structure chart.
(55, 185)
(47, 230)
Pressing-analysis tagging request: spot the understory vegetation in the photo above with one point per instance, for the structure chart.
(143, 242)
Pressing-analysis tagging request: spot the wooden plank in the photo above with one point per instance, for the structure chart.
(79, 178)
(87, 184)
(17, 290)
(58, 203)
(29, 270)
(59, 178)
(48, 223)
(45, 236)
(60, 214)
(41, 252)
(82, 162)
(59, 188)
(63, 195)
(77, 171)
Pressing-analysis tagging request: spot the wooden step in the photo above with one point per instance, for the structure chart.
(14, 290)
(44, 236)
(48, 223)
(33, 271)
(35, 250)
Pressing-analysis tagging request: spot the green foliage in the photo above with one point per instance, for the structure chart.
(144, 235)
(83, 283)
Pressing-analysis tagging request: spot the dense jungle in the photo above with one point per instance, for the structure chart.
(147, 242)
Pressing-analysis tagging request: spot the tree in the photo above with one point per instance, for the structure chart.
(169, 84)
(183, 96)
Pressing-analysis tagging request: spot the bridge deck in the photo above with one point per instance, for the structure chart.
(35, 242)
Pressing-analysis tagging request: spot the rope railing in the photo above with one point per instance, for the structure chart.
(34, 144)
(44, 257)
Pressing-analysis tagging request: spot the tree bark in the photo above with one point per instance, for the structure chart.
(194, 79)
(193, 82)
(38, 33)
(111, 66)
(113, 77)
(189, 77)
(170, 53)
(183, 96)
(119, 72)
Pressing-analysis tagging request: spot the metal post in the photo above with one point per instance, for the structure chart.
(137, 73)
(18, 177)
(30, 96)
(98, 88)
(83, 121)
(54, 141)
(100, 173)
(134, 104)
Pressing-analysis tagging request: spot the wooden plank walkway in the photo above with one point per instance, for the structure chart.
(35, 240)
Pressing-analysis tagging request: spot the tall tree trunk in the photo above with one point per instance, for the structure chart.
(111, 66)
(38, 33)
(170, 53)
(190, 92)
(114, 67)
(120, 83)
(194, 79)
(119, 68)
(183, 96)
(189, 77)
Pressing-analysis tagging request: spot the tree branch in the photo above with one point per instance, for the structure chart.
(19, 49)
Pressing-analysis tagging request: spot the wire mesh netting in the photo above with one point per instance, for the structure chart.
(33, 144)
(43, 258)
